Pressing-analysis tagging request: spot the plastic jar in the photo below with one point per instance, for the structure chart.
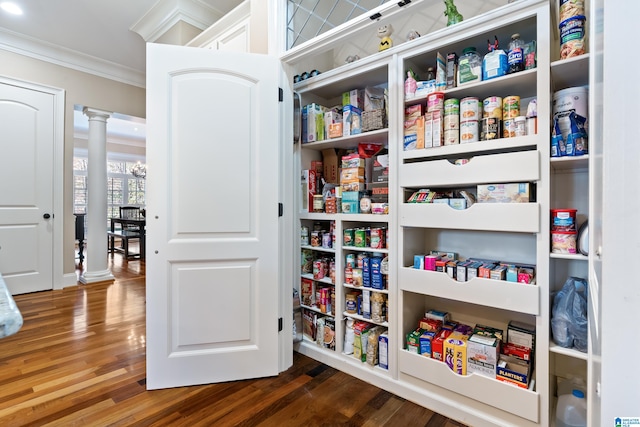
(469, 66)
(571, 410)
(515, 58)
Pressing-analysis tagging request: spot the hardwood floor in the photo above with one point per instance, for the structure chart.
(79, 360)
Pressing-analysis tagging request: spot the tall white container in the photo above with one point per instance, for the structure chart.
(572, 410)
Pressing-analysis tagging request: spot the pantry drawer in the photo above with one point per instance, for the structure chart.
(520, 297)
(518, 217)
(522, 166)
(519, 401)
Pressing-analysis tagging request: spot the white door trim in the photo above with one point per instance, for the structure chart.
(58, 173)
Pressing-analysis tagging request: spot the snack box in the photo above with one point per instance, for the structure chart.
(442, 316)
(437, 344)
(413, 341)
(331, 117)
(522, 334)
(425, 342)
(351, 120)
(512, 273)
(451, 268)
(489, 331)
(335, 130)
(514, 371)
(356, 98)
(458, 204)
(350, 175)
(526, 275)
(499, 272)
(463, 329)
(352, 160)
(521, 192)
(383, 351)
(523, 353)
(455, 353)
(413, 111)
(433, 325)
(360, 330)
(483, 353)
(485, 270)
(428, 130)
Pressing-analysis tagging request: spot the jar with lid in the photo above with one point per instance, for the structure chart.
(469, 66)
(365, 203)
(515, 58)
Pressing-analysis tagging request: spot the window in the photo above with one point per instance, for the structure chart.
(122, 187)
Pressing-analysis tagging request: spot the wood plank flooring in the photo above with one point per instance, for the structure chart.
(79, 360)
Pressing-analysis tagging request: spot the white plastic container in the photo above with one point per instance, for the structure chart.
(571, 99)
(571, 410)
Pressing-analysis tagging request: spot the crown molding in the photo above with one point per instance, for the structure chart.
(167, 13)
(54, 54)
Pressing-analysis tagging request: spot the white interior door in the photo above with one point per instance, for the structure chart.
(26, 188)
(212, 216)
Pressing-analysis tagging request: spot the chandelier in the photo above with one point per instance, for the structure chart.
(139, 170)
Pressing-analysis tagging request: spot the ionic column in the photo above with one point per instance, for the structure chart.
(97, 267)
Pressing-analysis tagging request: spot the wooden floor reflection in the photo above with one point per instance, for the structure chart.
(79, 360)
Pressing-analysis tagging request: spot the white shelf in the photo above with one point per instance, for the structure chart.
(570, 163)
(500, 294)
(316, 310)
(576, 257)
(360, 288)
(501, 86)
(570, 352)
(516, 217)
(319, 249)
(570, 72)
(379, 136)
(510, 398)
(325, 280)
(364, 319)
(521, 166)
(366, 249)
(320, 216)
(500, 145)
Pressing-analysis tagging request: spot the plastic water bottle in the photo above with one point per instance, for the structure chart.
(571, 410)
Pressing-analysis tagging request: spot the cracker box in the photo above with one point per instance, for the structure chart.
(352, 160)
(437, 344)
(413, 341)
(482, 355)
(356, 98)
(514, 371)
(442, 316)
(425, 343)
(349, 175)
(383, 351)
(430, 324)
(511, 349)
(351, 117)
(331, 118)
(455, 353)
(522, 192)
(522, 334)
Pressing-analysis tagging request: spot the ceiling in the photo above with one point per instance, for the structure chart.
(97, 36)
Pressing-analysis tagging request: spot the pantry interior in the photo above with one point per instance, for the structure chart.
(518, 233)
(512, 232)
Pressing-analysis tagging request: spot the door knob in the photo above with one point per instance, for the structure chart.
(46, 216)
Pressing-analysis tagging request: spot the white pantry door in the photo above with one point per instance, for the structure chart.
(212, 216)
(27, 139)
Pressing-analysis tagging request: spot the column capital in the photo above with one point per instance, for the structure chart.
(94, 113)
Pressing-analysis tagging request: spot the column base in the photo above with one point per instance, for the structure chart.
(96, 276)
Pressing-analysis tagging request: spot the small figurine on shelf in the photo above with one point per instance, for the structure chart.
(351, 58)
(412, 35)
(451, 12)
(384, 33)
(410, 84)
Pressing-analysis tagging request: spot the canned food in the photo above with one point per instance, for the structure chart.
(348, 275)
(435, 101)
(377, 238)
(357, 276)
(451, 136)
(316, 238)
(350, 260)
(304, 235)
(492, 107)
(491, 128)
(451, 122)
(469, 131)
(510, 107)
(469, 108)
(360, 238)
(348, 237)
(318, 270)
(451, 107)
(327, 240)
(508, 128)
(360, 260)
